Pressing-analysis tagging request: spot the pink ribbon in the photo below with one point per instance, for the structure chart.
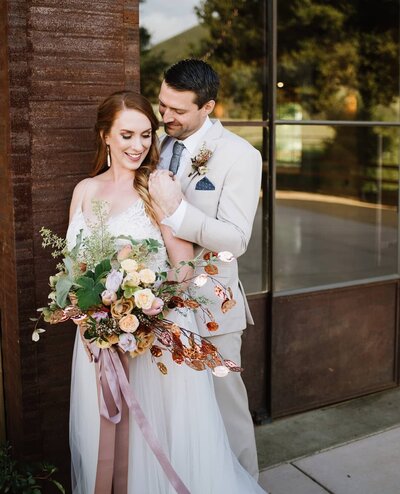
(115, 393)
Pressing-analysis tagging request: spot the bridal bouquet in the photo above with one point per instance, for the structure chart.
(122, 304)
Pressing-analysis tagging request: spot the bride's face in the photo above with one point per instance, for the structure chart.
(129, 139)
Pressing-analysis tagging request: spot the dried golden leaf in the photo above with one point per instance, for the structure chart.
(212, 326)
(177, 357)
(198, 365)
(207, 256)
(156, 351)
(219, 292)
(162, 367)
(227, 305)
(211, 269)
(176, 302)
(191, 304)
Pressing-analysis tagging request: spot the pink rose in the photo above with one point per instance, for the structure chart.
(127, 342)
(156, 307)
(108, 297)
(125, 252)
(114, 280)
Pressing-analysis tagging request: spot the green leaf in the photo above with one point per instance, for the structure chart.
(130, 290)
(102, 269)
(63, 287)
(89, 292)
(58, 485)
(75, 250)
(68, 263)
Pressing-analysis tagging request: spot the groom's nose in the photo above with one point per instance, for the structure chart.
(167, 116)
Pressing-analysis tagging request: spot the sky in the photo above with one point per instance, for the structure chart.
(166, 18)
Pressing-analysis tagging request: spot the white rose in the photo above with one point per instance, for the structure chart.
(225, 256)
(129, 265)
(144, 298)
(131, 279)
(147, 276)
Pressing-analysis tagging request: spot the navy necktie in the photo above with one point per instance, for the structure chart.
(176, 156)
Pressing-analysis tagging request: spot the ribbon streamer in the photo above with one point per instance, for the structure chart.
(114, 389)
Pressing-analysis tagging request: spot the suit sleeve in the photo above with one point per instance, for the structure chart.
(231, 228)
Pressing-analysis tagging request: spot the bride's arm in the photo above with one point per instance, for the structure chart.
(178, 250)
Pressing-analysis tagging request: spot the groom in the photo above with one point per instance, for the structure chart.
(209, 193)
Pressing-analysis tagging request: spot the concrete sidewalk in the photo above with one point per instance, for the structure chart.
(357, 454)
(367, 466)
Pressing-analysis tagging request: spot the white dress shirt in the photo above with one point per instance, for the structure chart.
(191, 143)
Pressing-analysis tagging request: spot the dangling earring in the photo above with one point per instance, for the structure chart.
(108, 156)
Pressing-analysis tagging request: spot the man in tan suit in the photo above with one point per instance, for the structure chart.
(213, 207)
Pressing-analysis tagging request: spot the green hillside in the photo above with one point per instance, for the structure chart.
(180, 46)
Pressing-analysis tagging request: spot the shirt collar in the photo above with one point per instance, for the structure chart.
(191, 142)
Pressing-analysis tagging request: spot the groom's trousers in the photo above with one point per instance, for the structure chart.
(233, 403)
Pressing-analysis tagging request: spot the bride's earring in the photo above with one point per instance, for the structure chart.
(108, 156)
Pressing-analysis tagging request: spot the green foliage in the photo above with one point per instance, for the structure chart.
(25, 478)
(89, 292)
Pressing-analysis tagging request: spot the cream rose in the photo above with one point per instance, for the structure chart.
(131, 279)
(144, 298)
(129, 265)
(129, 323)
(147, 276)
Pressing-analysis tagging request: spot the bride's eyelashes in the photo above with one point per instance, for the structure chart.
(128, 136)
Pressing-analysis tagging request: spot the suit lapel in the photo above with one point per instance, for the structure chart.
(210, 140)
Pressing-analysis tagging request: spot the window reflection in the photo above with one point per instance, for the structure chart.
(251, 262)
(336, 204)
(338, 60)
(229, 37)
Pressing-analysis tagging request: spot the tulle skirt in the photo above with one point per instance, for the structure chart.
(182, 409)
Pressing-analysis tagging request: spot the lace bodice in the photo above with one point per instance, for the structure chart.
(133, 221)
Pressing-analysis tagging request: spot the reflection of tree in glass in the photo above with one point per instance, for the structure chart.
(235, 50)
(338, 58)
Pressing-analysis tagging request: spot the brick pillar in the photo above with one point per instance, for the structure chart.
(58, 60)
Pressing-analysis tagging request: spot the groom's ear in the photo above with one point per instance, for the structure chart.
(209, 106)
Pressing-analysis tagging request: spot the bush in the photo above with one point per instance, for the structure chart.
(18, 477)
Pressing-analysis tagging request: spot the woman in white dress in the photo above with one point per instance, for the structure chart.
(180, 406)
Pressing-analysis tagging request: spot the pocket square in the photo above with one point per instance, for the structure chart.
(205, 184)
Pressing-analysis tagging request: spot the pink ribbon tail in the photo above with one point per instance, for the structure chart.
(114, 386)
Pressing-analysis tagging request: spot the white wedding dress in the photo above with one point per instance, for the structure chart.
(181, 407)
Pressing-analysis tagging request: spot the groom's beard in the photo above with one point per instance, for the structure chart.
(173, 130)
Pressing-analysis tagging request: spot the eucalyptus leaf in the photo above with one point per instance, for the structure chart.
(74, 252)
(63, 287)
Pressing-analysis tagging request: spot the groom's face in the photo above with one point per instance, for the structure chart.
(181, 116)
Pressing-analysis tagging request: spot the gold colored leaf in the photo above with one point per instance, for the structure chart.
(163, 368)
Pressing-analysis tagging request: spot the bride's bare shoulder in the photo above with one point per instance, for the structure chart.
(81, 189)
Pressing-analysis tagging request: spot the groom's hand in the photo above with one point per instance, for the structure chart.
(165, 191)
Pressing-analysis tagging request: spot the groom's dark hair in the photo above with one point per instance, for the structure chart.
(194, 75)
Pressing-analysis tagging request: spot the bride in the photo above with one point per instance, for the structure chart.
(181, 406)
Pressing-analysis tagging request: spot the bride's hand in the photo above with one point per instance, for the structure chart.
(82, 329)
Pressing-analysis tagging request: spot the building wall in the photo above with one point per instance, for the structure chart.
(58, 61)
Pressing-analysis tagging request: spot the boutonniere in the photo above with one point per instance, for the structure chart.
(199, 162)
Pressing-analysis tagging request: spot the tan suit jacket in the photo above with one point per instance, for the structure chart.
(222, 219)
